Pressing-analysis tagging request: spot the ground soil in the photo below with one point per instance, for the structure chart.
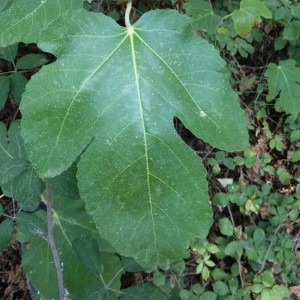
(13, 284)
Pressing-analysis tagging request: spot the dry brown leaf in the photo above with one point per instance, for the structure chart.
(295, 291)
(264, 211)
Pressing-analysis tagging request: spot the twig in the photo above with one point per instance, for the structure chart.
(297, 242)
(267, 251)
(62, 294)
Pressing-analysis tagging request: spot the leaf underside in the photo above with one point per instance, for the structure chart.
(114, 101)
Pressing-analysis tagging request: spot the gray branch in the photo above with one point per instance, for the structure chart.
(51, 240)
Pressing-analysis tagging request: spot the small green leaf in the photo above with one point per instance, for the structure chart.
(226, 227)
(213, 162)
(295, 156)
(267, 294)
(219, 274)
(282, 14)
(283, 175)
(146, 291)
(295, 135)
(178, 267)
(234, 249)
(281, 292)
(258, 235)
(266, 188)
(31, 61)
(159, 279)
(9, 53)
(248, 15)
(238, 160)
(241, 46)
(203, 15)
(26, 188)
(220, 156)
(199, 267)
(233, 284)
(208, 296)
(220, 288)
(4, 89)
(284, 81)
(6, 231)
(17, 85)
(256, 288)
(212, 248)
(17, 176)
(31, 225)
(267, 278)
(205, 273)
(221, 199)
(187, 295)
(228, 163)
(269, 169)
(279, 43)
(294, 215)
(277, 143)
(197, 289)
(291, 30)
(210, 263)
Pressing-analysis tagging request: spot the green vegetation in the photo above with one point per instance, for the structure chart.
(97, 161)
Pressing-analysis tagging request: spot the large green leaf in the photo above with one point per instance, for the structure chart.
(116, 101)
(284, 81)
(25, 20)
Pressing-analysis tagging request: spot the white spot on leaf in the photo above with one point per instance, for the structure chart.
(202, 114)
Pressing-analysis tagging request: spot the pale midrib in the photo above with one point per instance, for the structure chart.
(144, 136)
(6, 152)
(287, 84)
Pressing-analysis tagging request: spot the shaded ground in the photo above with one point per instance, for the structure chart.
(13, 284)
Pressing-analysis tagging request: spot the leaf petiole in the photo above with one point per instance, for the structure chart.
(127, 14)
